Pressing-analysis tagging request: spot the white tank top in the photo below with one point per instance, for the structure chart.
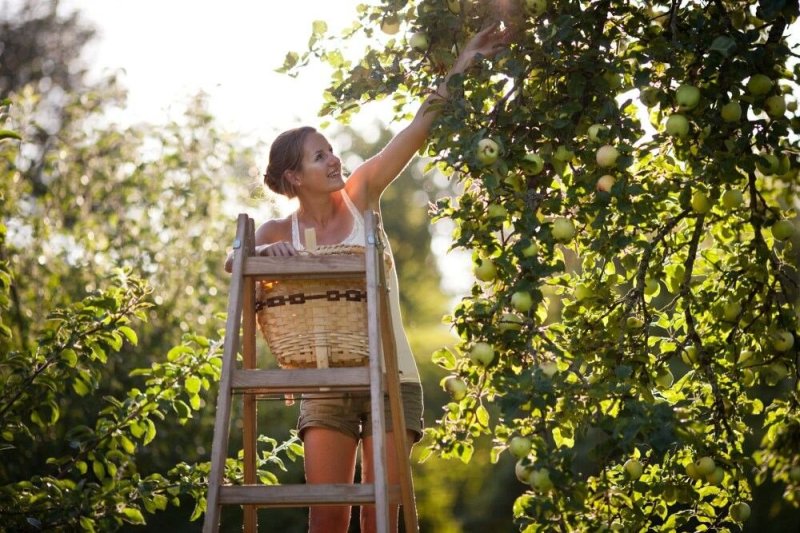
(357, 237)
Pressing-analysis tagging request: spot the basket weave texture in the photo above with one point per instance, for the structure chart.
(317, 323)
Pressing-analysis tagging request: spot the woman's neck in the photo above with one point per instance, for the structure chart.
(319, 211)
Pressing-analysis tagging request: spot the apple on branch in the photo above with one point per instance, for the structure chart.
(488, 151)
(456, 387)
(731, 112)
(606, 156)
(687, 97)
(605, 183)
(677, 125)
(759, 85)
(482, 354)
(419, 41)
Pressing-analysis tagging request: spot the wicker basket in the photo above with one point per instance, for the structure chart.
(317, 323)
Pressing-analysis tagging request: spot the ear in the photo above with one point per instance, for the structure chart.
(292, 176)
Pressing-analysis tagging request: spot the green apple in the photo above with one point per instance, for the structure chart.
(534, 163)
(634, 322)
(651, 286)
(595, 132)
(540, 479)
(510, 322)
(776, 372)
(782, 229)
(606, 156)
(759, 85)
(488, 151)
(563, 229)
(716, 477)
(648, 96)
(522, 301)
(456, 387)
(485, 270)
(523, 471)
(782, 340)
(731, 112)
(605, 183)
(548, 368)
(794, 474)
(771, 167)
(530, 250)
(496, 211)
(519, 446)
(482, 354)
(705, 465)
(664, 378)
(791, 105)
(419, 41)
(739, 512)
(634, 469)
(732, 199)
(775, 106)
(677, 125)
(390, 24)
(691, 471)
(731, 311)
(689, 355)
(687, 97)
(613, 80)
(701, 204)
(454, 6)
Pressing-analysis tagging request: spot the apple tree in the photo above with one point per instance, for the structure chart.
(629, 177)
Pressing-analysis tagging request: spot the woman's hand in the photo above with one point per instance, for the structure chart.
(276, 249)
(486, 43)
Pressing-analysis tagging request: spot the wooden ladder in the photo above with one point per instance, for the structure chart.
(250, 382)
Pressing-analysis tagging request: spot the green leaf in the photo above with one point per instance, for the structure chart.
(133, 515)
(319, 27)
(8, 134)
(99, 470)
(192, 385)
(130, 334)
(151, 432)
(483, 416)
(444, 358)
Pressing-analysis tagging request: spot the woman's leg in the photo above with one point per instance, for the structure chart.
(368, 523)
(330, 457)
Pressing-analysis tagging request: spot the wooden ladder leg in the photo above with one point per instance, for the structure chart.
(402, 446)
(249, 408)
(380, 480)
(219, 445)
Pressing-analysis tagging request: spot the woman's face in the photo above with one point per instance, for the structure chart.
(321, 169)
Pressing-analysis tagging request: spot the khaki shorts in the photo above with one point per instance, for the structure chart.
(349, 413)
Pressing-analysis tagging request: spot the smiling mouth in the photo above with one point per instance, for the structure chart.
(335, 174)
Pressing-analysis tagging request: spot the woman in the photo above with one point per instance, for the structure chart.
(302, 164)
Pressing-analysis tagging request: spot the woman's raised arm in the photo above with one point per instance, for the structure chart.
(375, 174)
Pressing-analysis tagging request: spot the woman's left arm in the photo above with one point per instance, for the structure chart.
(375, 174)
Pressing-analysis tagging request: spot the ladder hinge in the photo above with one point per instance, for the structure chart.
(237, 244)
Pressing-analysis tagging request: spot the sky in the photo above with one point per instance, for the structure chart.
(170, 50)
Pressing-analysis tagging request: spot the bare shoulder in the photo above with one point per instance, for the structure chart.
(274, 230)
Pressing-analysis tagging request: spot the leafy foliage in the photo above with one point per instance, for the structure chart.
(664, 327)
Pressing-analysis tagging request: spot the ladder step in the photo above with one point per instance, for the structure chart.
(303, 495)
(306, 267)
(301, 380)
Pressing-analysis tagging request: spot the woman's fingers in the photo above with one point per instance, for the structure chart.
(279, 249)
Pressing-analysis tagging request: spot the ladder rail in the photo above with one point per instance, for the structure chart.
(373, 262)
(219, 444)
(252, 382)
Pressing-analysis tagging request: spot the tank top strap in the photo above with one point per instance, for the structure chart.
(357, 233)
(296, 233)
